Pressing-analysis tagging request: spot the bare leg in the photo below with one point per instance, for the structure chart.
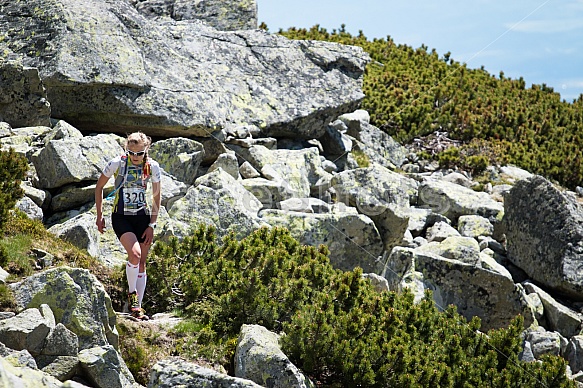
(132, 247)
(134, 251)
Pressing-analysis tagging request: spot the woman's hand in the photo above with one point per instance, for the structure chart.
(100, 224)
(148, 235)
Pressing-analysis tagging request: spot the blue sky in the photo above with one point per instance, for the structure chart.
(542, 41)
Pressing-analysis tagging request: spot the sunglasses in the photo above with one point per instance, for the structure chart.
(139, 153)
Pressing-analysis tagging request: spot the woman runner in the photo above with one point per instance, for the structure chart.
(132, 220)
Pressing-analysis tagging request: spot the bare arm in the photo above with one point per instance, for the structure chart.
(100, 222)
(148, 234)
(157, 200)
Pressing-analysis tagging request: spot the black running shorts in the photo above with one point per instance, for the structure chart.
(135, 224)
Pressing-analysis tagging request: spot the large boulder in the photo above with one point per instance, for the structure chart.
(352, 238)
(73, 160)
(28, 330)
(179, 157)
(557, 317)
(453, 200)
(298, 171)
(379, 194)
(24, 376)
(226, 15)
(105, 367)
(574, 353)
(78, 301)
(215, 199)
(17, 357)
(378, 147)
(24, 140)
(258, 357)
(544, 231)
(475, 291)
(180, 373)
(106, 67)
(23, 100)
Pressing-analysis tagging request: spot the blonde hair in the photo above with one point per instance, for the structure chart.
(138, 138)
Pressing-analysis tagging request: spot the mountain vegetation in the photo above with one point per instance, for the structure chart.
(412, 93)
(338, 329)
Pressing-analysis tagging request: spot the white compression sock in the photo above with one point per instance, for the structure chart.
(132, 275)
(141, 286)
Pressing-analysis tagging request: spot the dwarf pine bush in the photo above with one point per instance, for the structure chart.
(262, 279)
(413, 92)
(337, 329)
(13, 168)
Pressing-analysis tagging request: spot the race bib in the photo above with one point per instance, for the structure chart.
(134, 198)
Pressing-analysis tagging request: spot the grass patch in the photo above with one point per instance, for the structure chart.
(21, 235)
(15, 257)
(361, 158)
(7, 302)
(142, 345)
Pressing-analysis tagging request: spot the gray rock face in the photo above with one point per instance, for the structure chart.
(352, 238)
(271, 193)
(61, 342)
(217, 199)
(17, 357)
(105, 367)
(259, 358)
(543, 342)
(180, 78)
(30, 208)
(226, 15)
(545, 235)
(453, 200)
(473, 290)
(23, 100)
(77, 300)
(81, 232)
(72, 160)
(379, 147)
(22, 376)
(559, 318)
(298, 171)
(179, 157)
(27, 330)
(62, 367)
(574, 353)
(179, 373)
(379, 194)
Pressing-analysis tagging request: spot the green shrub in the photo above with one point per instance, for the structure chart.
(13, 168)
(263, 278)
(477, 163)
(413, 92)
(449, 158)
(338, 329)
(355, 337)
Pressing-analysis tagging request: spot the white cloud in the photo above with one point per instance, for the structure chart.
(561, 51)
(573, 83)
(575, 5)
(546, 26)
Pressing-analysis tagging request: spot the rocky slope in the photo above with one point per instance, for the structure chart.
(251, 130)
